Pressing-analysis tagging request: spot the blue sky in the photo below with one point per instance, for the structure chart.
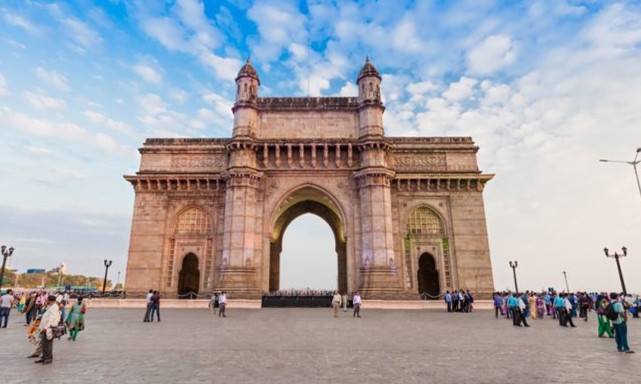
(545, 88)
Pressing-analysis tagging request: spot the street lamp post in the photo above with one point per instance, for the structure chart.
(567, 287)
(633, 163)
(513, 265)
(5, 254)
(616, 257)
(104, 284)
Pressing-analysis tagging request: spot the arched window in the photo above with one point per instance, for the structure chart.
(192, 222)
(424, 221)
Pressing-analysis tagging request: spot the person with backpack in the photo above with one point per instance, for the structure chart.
(616, 312)
(605, 326)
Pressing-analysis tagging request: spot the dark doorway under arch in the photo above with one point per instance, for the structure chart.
(428, 281)
(189, 277)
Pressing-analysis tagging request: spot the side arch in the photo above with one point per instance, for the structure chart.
(426, 231)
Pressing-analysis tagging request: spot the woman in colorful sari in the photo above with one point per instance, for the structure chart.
(531, 302)
(76, 319)
(34, 336)
(604, 323)
(540, 306)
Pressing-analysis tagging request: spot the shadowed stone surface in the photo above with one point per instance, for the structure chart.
(309, 346)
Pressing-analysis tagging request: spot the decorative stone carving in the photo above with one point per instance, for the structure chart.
(419, 162)
(200, 163)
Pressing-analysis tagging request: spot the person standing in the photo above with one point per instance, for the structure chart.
(620, 324)
(336, 302)
(448, 301)
(149, 304)
(521, 309)
(213, 302)
(356, 300)
(76, 319)
(6, 301)
(498, 302)
(29, 310)
(604, 323)
(222, 304)
(50, 319)
(344, 301)
(531, 301)
(155, 306)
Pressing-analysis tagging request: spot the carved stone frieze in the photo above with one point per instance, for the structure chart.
(200, 163)
(419, 162)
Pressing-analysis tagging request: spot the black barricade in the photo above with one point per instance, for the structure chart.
(297, 301)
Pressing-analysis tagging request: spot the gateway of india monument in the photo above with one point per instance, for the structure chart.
(407, 213)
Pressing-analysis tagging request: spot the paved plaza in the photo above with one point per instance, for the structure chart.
(309, 346)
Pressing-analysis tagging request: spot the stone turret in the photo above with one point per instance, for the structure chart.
(369, 99)
(245, 107)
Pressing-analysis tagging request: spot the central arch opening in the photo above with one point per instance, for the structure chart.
(324, 213)
(308, 259)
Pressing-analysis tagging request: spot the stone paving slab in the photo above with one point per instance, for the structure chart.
(310, 346)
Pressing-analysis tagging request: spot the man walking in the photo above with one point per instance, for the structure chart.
(50, 319)
(356, 300)
(6, 301)
(149, 304)
(498, 302)
(222, 304)
(566, 311)
(620, 324)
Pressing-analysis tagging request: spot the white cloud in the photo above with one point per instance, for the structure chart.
(152, 103)
(53, 78)
(60, 131)
(3, 86)
(18, 21)
(100, 119)
(82, 33)
(40, 101)
(151, 74)
(178, 95)
(349, 89)
(279, 24)
(493, 53)
(40, 151)
(460, 90)
(69, 173)
(405, 37)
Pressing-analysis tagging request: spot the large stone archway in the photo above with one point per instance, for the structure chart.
(328, 156)
(314, 201)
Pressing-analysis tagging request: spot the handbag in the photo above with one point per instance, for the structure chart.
(58, 331)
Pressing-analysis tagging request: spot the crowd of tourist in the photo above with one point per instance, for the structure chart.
(611, 310)
(46, 318)
(459, 301)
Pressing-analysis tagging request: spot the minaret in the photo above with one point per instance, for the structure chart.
(245, 108)
(378, 265)
(241, 242)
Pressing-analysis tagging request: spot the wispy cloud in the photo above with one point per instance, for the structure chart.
(41, 101)
(16, 20)
(53, 78)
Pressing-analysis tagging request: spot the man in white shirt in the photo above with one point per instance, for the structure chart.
(6, 301)
(149, 305)
(521, 305)
(356, 300)
(567, 307)
(222, 304)
(50, 319)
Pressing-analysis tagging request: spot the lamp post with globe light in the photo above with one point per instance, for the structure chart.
(104, 284)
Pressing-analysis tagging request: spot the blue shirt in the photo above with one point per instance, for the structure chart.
(512, 302)
(448, 298)
(618, 308)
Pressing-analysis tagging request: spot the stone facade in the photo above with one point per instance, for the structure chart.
(407, 213)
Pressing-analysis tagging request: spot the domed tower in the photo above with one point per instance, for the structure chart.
(369, 99)
(245, 107)
(378, 264)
